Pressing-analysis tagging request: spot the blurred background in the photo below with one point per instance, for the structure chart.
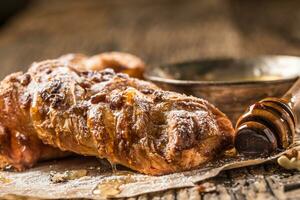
(158, 31)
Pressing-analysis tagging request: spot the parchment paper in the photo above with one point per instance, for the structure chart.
(100, 182)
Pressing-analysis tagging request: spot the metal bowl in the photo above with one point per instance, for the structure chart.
(230, 84)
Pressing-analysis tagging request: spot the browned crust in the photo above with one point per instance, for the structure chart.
(109, 115)
(118, 61)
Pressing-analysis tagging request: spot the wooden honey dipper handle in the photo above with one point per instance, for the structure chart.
(292, 96)
(269, 124)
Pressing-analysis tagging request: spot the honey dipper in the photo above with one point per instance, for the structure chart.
(269, 124)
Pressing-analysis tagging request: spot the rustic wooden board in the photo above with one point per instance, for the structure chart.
(165, 31)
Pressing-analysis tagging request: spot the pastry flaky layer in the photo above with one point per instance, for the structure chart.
(58, 107)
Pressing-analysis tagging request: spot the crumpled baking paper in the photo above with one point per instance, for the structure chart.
(100, 182)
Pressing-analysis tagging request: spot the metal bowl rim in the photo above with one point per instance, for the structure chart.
(150, 77)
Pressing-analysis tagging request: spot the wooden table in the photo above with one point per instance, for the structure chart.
(159, 32)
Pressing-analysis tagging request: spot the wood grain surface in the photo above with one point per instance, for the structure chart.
(160, 32)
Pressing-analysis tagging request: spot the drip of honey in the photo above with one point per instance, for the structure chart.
(111, 188)
(4, 180)
(114, 168)
(108, 189)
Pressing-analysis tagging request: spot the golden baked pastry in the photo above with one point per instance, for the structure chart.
(59, 106)
(118, 61)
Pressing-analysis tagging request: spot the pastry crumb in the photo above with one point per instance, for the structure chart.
(60, 177)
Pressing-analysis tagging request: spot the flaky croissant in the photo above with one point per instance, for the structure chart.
(108, 115)
(23, 152)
